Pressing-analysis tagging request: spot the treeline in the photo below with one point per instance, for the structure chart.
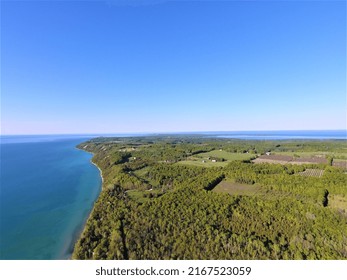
(205, 144)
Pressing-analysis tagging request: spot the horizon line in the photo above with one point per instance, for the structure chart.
(168, 132)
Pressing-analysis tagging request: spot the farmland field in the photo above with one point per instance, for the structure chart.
(205, 159)
(312, 173)
(335, 155)
(234, 188)
(203, 164)
(338, 202)
(226, 155)
(341, 163)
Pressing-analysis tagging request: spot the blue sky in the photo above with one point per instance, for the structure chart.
(166, 66)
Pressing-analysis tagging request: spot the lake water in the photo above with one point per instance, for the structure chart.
(48, 188)
(282, 135)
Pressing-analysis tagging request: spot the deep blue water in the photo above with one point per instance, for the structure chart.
(48, 188)
(282, 135)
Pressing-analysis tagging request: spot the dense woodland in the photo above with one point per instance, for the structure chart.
(151, 207)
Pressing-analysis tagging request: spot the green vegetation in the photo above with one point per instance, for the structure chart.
(227, 156)
(160, 201)
(233, 188)
(215, 158)
(202, 163)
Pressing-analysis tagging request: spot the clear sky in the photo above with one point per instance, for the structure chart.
(166, 66)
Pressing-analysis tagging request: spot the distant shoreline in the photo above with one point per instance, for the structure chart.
(325, 134)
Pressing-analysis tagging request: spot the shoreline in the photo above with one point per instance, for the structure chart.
(102, 178)
(92, 162)
(80, 234)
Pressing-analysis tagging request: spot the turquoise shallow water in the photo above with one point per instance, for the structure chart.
(48, 188)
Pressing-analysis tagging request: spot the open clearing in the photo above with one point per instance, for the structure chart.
(286, 159)
(323, 154)
(142, 196)
(226, 155)
(207, 159)
(338, 202)
(203, 164)
(341, 163)
(142, 172)
(233, 188)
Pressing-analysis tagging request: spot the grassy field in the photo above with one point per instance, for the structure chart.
(205, 159)
(142, 172)
(137, 195)
(230, 187)
(142, 196)
(226, 155)
(338, 202)
(203, 164)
